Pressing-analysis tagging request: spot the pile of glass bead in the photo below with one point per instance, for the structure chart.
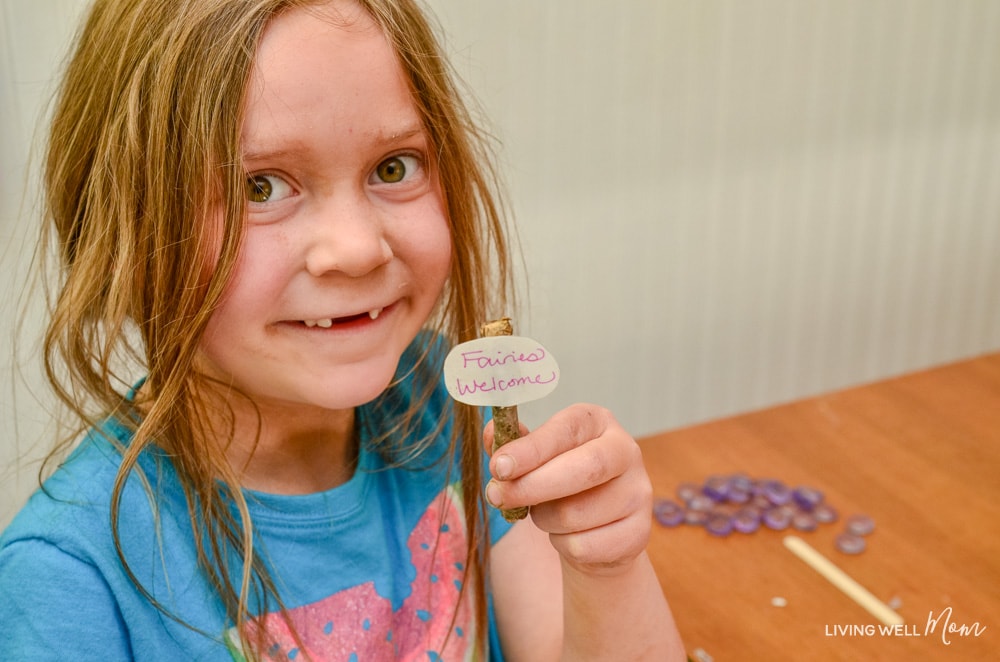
(726, 503)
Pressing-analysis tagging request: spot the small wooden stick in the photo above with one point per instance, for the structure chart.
(851, 588)
(505, 424)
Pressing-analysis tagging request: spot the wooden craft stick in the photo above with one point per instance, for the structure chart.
(505, 424)
(842, 580)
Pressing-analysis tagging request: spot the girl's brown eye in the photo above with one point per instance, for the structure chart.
(392, 170)
(259, 188)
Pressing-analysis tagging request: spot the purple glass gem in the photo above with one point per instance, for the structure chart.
(776, 492)
(738, 494)
(716, 488)
(687, 491)
(825, 513)
(746, 520)
(695, 517)
(849, 543)
(701, 502)
(740, 482)
(790, 509)
(804, 521)
(807, 497)
(776, 518)
(667, 512)
(859, 525)
(719, 524)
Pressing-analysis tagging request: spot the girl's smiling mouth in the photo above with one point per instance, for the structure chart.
(328, 322)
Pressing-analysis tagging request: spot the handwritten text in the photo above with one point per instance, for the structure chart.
(500, 371)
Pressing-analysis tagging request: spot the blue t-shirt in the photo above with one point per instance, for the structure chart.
(369, 570)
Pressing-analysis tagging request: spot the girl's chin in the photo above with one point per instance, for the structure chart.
(298, 384)
(353, 389)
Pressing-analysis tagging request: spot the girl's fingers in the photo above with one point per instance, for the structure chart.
(576, 470)
(488, 435)
(595, 507)
(602, 550)
(584, 478)
(567, 429)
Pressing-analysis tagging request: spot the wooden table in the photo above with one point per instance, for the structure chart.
(920, 454)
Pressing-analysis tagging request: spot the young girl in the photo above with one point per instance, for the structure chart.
(272, 219)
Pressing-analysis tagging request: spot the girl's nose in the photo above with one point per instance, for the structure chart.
(347, 238)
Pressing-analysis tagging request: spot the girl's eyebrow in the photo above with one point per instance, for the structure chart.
(383, 138)
(380, 139)
(265, 154)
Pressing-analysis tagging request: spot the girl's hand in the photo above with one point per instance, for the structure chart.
(584, 478)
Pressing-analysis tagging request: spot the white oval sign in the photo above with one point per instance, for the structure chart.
(500, 371)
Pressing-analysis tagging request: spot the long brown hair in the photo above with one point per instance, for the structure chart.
(144, 140)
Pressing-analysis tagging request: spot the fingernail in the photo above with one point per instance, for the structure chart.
(493, 494)
(504, 466)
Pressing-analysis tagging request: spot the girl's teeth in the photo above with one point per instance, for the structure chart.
(328, 322)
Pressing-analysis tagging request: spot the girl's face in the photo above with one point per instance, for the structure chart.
(347, 245)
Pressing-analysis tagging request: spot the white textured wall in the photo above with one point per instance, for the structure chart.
(723, 204)
(731, 203)
(34, 35)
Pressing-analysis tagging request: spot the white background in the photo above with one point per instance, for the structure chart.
(722, 204)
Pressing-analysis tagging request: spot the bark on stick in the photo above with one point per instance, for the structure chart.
(505, 423)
